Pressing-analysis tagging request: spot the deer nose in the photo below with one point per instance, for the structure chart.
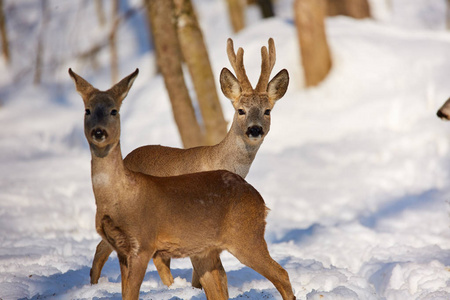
(254, 131)
(441, 115)
(99, 134)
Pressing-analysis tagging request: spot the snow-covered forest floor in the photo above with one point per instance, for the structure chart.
(356, 171)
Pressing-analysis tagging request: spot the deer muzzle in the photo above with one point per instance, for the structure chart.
(254, 131)
(443, 115)
(99, 135)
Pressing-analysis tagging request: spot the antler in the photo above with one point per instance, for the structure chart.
(238, 65)
(267, 63)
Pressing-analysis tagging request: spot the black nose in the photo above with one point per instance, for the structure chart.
(441, 115)
(99, 134)
(254, 131)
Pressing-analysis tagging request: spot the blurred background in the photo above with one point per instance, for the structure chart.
(40, 39)
(355, 168)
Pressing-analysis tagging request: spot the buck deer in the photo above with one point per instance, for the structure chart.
(251, 123)
(444, 111)
(194, 215)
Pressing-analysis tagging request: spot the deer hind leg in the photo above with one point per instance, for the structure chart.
(222, 275)
(195, 278)
(102, 253)
(255, 255)
(163, 267)
(211, 275)
(132, 269)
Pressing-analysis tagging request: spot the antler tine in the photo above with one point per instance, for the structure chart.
(267, 63)
(237, 62)
(272, 53)
(231, 54)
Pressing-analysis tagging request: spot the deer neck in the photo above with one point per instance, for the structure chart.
(236, 152)
(109, 177)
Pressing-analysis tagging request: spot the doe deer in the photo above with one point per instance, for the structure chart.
(194, 215)
(236, 152)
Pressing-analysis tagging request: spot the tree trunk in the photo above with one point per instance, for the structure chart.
(4, 34)
(266, 8)
(448, 14)
(236, 10)
(389, 4)
(166, 45)
(112, 42)
(40, 45)
(100, 12)
(358, 9)
(196, 57)
(315, 54)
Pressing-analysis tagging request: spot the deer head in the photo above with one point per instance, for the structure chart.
(101, 119)
(253, 106)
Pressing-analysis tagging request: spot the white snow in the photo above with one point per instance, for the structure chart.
(356, 171)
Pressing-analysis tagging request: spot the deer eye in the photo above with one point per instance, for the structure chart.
(267, 112)
(87, 112)
(241, 112)
(114, 112)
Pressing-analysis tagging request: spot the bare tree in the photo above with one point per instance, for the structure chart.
(92, 53)
(266, 8)
(389, 4)
(40, 45)
(100, 12)
(4, 34)
(167, 49)
(112, 42)
(448, 14)
(358, 9)
(236, 10)
(196, 57)
(315, 54)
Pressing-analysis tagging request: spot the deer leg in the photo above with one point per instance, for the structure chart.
(133, 262)
(132, 269)
(102, 253)
(211, 275)
(163, 267)
(257, 257)
(196, 278)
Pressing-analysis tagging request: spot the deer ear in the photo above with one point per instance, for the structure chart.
(83, 87)
(277, 87)
(230, 85)
(120, 89)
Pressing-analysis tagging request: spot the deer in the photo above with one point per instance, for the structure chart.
(235, 153)
(444, 112)
(196, 215)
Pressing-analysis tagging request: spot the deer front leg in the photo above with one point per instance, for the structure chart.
(211, 275)
(163, 267)
(132, 269)
(102, 253)
(133, 261)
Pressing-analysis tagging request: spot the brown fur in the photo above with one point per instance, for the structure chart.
(195, 215)
(235, 153)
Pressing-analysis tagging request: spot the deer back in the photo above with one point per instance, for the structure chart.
(251, 123)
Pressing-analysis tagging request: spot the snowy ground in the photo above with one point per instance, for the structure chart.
(356, 171)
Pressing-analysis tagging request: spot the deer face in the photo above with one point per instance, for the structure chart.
(253, 106)
(102, 123)
(252, 115)
(101, 118)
